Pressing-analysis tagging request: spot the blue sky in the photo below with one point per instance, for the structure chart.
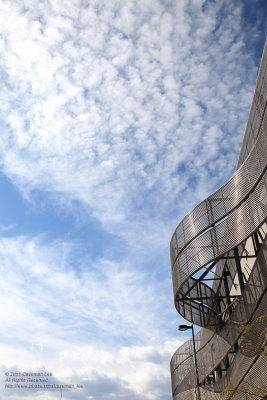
(116, 119)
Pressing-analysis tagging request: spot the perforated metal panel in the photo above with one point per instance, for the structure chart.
(212, 348)
(223, 237)
(223, 201)
(215, 227)
(255, 116)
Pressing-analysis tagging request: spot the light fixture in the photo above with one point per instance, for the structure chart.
(185, 328)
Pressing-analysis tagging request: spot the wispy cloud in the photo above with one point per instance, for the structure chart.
(43, 292)
(50, 312)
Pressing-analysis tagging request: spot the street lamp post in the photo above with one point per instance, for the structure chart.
(184, 328)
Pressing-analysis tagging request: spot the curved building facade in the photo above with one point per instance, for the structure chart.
(219, 272)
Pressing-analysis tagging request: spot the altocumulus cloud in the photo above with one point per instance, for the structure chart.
(129, 110)
(107, 101)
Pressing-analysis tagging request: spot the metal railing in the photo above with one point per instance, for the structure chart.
(207, 234)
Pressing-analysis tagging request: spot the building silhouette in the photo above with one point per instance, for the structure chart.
(219, 271)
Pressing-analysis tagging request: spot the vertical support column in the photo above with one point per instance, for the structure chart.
(239, 270)
(196, 367)
(257, 242)
(226, 287)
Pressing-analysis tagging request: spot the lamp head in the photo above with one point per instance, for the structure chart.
(184, 327)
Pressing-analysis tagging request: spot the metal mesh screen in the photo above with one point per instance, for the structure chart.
(256, 113)
(182, 363)
(212, 348)
(212, 229)
(250, 345)
(223, 201)
(223, 237)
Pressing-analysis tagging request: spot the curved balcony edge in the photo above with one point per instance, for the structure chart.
(213, 349)
(224, 237)
(223, 201)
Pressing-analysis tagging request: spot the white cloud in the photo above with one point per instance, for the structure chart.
(136, 373)
(136, 111)
(41, 289)
(56, 318)
(130, 372)
(121, 86)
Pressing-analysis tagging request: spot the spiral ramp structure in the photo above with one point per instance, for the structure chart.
(219, 271)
